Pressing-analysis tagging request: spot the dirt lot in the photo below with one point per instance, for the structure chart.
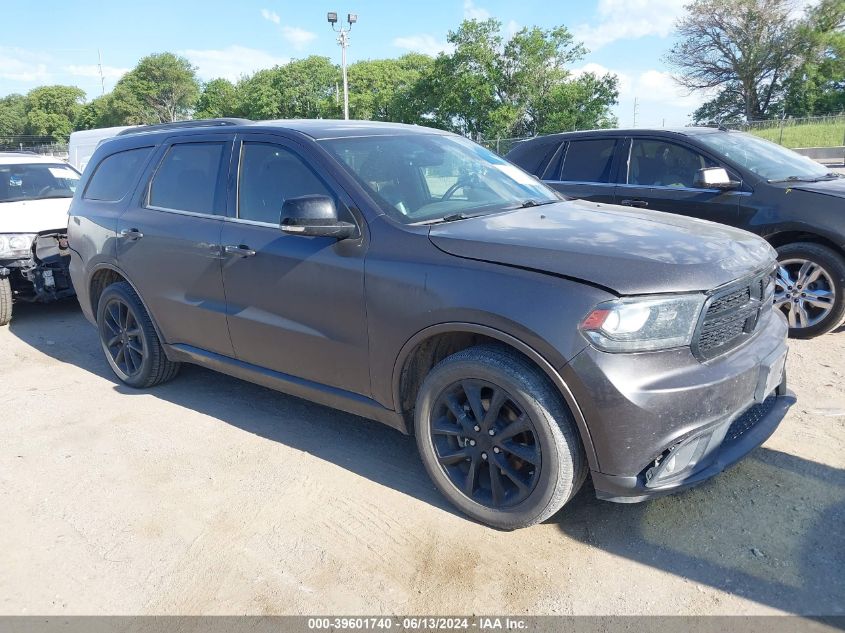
(211, 495)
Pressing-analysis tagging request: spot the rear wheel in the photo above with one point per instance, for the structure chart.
(129, 340)
(810, 288)
(497, 439)
(5, 301)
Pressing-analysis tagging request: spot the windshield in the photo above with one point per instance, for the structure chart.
(424, 178)
(764, 158)
(36, 181)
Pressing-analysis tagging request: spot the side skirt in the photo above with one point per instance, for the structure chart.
(330, 396)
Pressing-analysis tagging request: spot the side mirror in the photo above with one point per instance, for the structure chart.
(315, 216)
(714, 178)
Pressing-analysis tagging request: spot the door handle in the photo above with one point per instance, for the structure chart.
(640, 204)
(240, 250)
(131, 234)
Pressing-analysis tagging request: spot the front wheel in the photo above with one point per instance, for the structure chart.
(496, 438)
(5, 301)
(810, 288)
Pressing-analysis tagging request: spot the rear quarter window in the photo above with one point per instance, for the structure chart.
(115, 175)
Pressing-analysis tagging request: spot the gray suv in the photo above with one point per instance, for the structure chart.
(410, 276)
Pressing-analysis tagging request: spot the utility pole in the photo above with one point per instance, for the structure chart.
(100, 68)
(343, 41)
(636, 109)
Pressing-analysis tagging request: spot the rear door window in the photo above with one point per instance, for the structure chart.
(188, 179)
(588, 160)
(115, 175)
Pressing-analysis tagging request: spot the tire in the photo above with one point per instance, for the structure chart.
(451, 448)
(810, 318)
(123, 322)
(5, 301)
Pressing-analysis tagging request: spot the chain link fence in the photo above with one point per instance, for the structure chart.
(818, 131)
(44, 145)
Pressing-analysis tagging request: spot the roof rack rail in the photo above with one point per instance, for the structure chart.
(184, 124)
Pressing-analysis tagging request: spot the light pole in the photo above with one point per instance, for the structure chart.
(343, 40)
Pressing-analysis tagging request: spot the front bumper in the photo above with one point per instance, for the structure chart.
(643, 410)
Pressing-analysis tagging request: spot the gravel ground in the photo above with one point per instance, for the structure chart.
(211, 495)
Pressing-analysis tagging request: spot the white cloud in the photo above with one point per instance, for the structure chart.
(231, 62)
(472, 12)
(427, 44)
(630, 19)
(17, 64)
(270, 16)
(297, 37)
(93, 70)
(512, 28)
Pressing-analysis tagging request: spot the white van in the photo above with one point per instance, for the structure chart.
(83, 143)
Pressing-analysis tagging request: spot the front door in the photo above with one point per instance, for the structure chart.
(295, 304)
(661, 177)
(169, 241)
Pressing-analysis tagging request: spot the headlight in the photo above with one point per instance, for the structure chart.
(16, 246)
(643, 323)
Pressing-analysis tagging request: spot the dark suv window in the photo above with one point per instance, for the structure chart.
(269, 175)
(115, 174)
(657, 163)
(588, 160)
(187, 178)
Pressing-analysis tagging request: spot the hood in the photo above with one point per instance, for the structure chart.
(827, 187)
(627, 251)
(32, 216)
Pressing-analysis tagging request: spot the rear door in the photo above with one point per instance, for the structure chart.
(659, 174)
(585, 168)
(169, 240)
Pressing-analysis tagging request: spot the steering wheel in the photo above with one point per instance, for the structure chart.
(45, 190)
(459, 184)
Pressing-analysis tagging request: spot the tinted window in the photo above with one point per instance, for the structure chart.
(589, 161)
(187, 178)
(115, 175)
(660, 164)
(269, 175)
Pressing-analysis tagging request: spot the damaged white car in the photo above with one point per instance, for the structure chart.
(35, 194)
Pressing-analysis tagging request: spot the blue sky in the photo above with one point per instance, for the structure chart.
(59, 42)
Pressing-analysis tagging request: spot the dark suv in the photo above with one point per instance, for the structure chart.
(410, 276)
(796, 204)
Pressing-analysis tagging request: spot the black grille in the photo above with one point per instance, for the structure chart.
(748, 420)
(731, 316)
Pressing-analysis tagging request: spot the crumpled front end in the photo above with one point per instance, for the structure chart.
(44, 276)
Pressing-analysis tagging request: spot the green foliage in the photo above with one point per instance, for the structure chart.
(160, 89)
(302, 88)
(52, 111)
(491, 87)
(828, 132)
(12, 115)
(218, 99)
(386, 89)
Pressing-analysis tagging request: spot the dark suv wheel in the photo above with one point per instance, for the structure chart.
(496, 438)
(810, 288)
(129, 340)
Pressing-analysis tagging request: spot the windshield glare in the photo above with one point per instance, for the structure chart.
(421, 177)
(36, 181)
(766, 159)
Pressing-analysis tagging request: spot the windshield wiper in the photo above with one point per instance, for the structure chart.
(527, 204)
(828, 176)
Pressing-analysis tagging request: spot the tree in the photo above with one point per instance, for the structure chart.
(493, 87)
(101, 112)
(52, 111)
(218, 99)
(744, 49)
(160, 89)
(817, 86)
(12, 115)
(384, 89)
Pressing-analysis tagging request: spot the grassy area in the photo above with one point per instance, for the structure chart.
(823, 134)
